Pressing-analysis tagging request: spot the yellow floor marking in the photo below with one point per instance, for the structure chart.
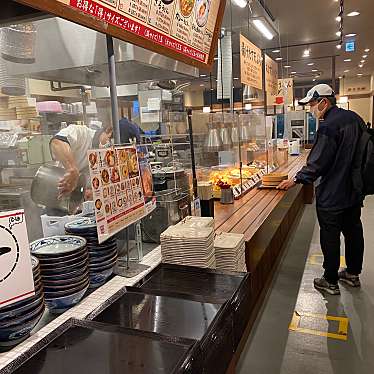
(342, 334)
(317, 259)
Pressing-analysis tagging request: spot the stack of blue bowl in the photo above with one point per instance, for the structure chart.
(102, 257)
(18, 319)
(64, 270)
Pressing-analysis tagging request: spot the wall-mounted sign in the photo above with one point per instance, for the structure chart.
(271, 79)
(250, 64)
(285, 92)
(16, 277)
(350, 46)
(186, 30)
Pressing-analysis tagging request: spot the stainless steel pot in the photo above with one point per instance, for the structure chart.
(44, 190)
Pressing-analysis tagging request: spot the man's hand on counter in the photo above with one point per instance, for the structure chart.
(286, 185)
(68, 183)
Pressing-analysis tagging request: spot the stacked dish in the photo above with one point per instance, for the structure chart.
(191, 246)
(272, 180)
(230, 252)
(192, 221)
(18, 319)
(64, 270)
(102, 257)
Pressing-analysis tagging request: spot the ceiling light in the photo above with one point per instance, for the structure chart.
(263, 28)
(287, 66)
(215, 58)
(338, 33)
(362, 61)
(314, 79)
(241, 3)
(306, 53)
(350, 35)
(364, 56)
(360, 66)
(202, 75)
(340, 77)
(360, 74)
(353, 14)
(236, 78)
(339, 46)
(347, 60)
(276, 51)
(201, 85)
(311, 64)
(346, 71)
(314, 71)
(279, 59)
(338, 19)
(293, 72)
(367, 50)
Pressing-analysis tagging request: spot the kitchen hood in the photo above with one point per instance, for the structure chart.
(67, 52)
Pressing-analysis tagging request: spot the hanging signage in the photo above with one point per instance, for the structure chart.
(186, 30)
(271, 79)
(250, 64)
(285, 92)
(350, 46)
(117, 189)
(16, 277)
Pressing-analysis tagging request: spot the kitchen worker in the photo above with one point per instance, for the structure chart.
(338, 204)
(70, 146)
(129, 131)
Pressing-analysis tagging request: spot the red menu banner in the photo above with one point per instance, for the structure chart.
(182, 29)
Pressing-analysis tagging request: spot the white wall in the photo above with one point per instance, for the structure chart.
(363, 107)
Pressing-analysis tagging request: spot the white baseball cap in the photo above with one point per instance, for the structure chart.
(318, 91)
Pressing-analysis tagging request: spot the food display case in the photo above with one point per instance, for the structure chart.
(234, 150)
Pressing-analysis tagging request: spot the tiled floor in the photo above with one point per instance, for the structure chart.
(330, 334)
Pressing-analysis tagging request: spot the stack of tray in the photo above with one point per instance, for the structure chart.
(273, 180)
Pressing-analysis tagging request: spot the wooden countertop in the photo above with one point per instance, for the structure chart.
(247, 214)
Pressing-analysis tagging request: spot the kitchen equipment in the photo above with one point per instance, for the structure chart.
(171, 206)
(226, 137)
(102, 257)
(18, 43)
(227, 195)
(18, 319)
(11, 85)
(170, 177)
(235, 135)
(245, 133)
(164, 153)
(44, 190)
(58, 256)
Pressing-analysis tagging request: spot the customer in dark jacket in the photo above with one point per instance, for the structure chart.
(338, 204)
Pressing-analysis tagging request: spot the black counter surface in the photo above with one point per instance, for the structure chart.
(165, 315)
(97, 349)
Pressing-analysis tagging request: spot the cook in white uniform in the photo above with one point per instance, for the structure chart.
(70, 147)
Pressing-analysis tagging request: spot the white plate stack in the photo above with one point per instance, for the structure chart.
(230, 252)
(192, 221)
(190, 246)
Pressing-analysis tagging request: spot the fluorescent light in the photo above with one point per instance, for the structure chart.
(287, 66)
(347, 60)
(362, 61)
(338, 19)
(202, 85)
(264, 30)
(340, 77)
(311, 64)
(314, 79)
(338, 33)
(206, 109)
(353, 14)
(236, 78)
(241, 3)
(279, 59)
(350, 35)
(293, 72)
(248, 106)
(202, 75)
(339, 46)
(367, 50)
(306, 53)
(361, 66)
(276, 51)
(360, 74)
(364, 56)
(346, 71)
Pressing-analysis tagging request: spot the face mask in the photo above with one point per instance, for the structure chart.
(316, 112)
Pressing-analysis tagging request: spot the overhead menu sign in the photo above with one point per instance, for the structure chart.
(16, 277)
(250, 64)
(285, 91)
(271, 76)
(186, 30)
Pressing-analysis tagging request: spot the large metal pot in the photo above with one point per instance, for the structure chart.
(44, 190)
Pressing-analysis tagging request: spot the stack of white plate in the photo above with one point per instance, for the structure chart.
(192, 221)
(230, 252)
(190, 246)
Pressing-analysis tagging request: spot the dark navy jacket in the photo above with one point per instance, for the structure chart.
(330, 160)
